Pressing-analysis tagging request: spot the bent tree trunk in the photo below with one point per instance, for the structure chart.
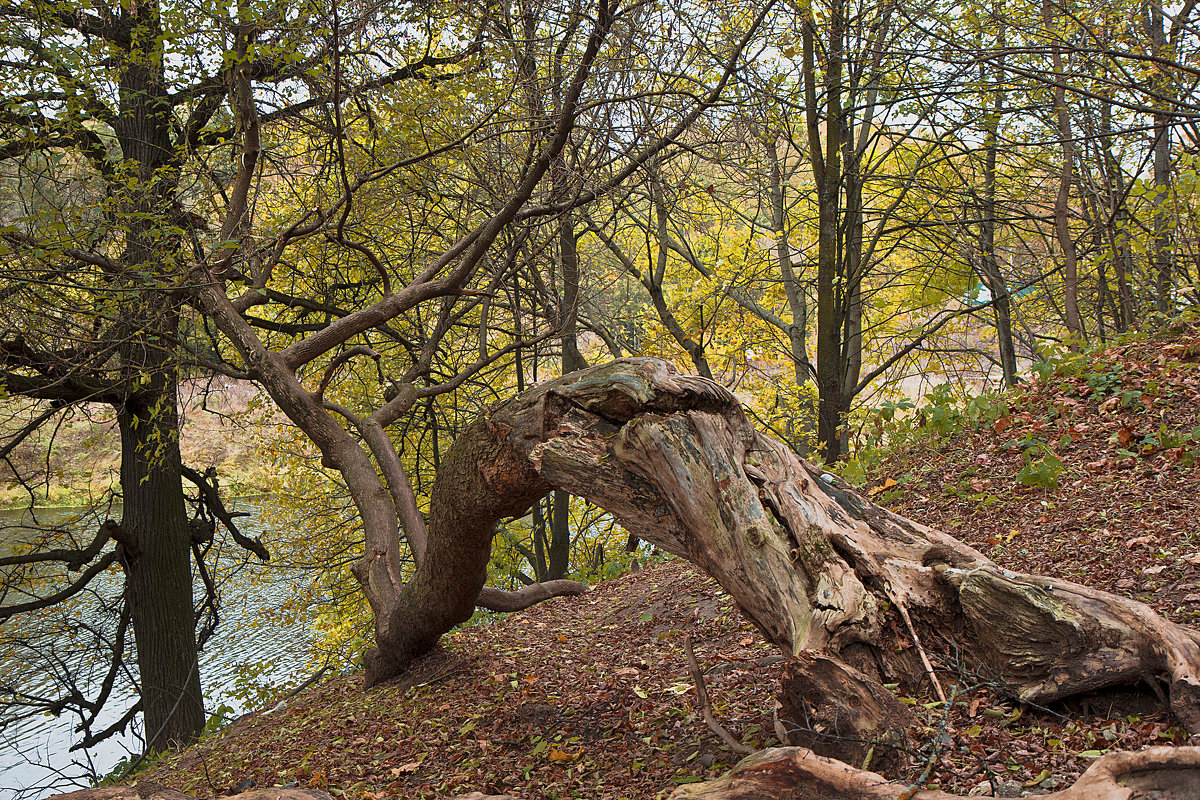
(814, 565)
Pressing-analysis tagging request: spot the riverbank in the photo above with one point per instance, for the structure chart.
(256, 652)
(222, 426)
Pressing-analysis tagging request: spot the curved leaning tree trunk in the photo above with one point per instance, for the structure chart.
(814, 565)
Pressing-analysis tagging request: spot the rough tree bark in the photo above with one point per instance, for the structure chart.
(815, 566)
(158, 569)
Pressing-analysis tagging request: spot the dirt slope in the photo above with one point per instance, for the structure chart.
(584, 696)
(1126, 514)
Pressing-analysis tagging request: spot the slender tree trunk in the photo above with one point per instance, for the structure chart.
(568, 317)
(1117, 223)
(990, 264)
(559, 552)
(558, 562)
(1163, 257)
(827, 175)
(854, 271)
(1062, 203)
(797, 298)
(653, 280)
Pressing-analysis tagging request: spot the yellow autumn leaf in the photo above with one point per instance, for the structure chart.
(561, 755)
(887, 484)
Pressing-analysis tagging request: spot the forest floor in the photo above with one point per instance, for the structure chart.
(591, 697)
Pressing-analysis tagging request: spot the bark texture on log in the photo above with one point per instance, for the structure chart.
(794, 773)
(814, 565)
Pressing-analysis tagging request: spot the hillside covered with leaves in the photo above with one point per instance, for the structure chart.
(1090, 471)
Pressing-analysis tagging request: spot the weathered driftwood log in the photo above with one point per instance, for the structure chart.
(813, 564)
(794, 773)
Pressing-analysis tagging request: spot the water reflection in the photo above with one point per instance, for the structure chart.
(35, 757)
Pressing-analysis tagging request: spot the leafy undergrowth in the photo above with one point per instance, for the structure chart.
(590, 696)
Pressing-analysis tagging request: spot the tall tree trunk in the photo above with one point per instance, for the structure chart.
(568, 316)
(558, 558)
(1117, 222)
(158, 573)
(854, 271)
(990, 264)
(797, 298)
(827, 177)
(559, 552)
(1163, 272)
(1163, 278)
(1062, 203)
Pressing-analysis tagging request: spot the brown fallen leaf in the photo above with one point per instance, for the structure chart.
(405, 769)
(887, 484)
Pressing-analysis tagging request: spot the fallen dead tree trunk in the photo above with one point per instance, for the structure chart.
(814, 565)
(794, 773)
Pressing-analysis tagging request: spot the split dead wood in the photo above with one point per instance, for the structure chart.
(835, 710)
(795, 773)
(814, 565)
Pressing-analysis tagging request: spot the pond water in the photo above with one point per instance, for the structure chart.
(35, 756)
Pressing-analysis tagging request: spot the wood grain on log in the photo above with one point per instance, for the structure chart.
(795, 773)
(837, 711)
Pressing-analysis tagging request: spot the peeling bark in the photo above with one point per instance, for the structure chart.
(815, 566)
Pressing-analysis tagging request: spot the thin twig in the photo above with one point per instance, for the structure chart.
(939, 745)
(706, 707)
(912, 631)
